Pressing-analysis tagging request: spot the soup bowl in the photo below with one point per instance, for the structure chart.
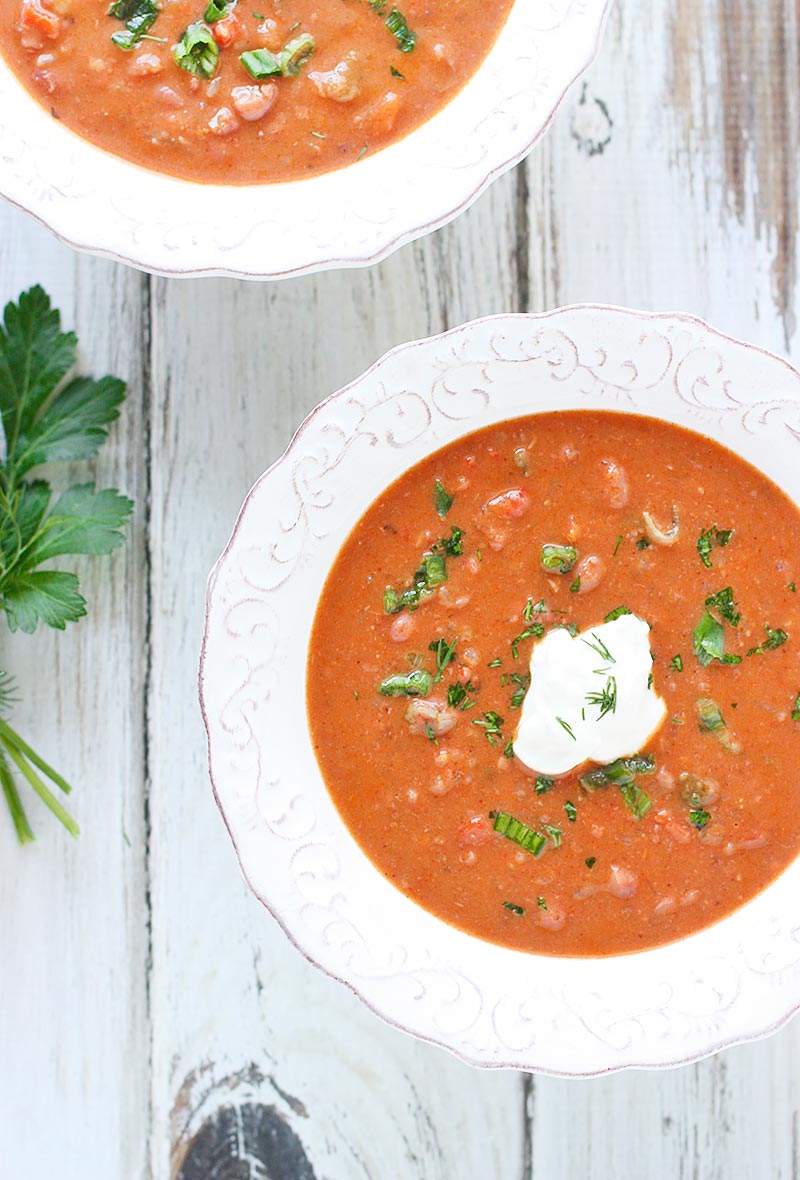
(492, 1006)
(350, 217)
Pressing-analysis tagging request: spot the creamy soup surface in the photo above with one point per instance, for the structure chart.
(248, 91)
(419, 667)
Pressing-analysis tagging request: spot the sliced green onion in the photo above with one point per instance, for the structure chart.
(514, 829)
(708, 640)
(295, 54)
(638, 803)
(442, 502)
(558, 559)
(260, 63)
(417, 683)
(217, 9)
(709, 715)
(555, 834)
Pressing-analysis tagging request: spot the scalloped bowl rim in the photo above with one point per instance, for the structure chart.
(91, 199)
(758, 1023)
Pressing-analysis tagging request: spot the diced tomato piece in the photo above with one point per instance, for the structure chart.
(225, 30)
(35, 17)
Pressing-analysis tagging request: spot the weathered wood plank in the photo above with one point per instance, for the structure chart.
(691, 205)
(246, 1034)
(73, 1018)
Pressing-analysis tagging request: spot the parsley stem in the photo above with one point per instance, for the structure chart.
(41, 790)
(21, 825)
(12, 736)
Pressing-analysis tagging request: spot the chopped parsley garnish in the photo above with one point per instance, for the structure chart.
(724, 605)
(492, 724)
(457, 695)
(637, 802)
(698, 816)
(396, 24)
(775, 638)
(431, 573)
(197, 51)
(453, 545)
(617, 613)
(676, 663)
(571, 810)
(396, 73)
(442, 501)
(643, 543)
(542, 904)
(515, 909)
(138, 16)
(590, 862)
(566, 727)
(616, 547)
(796, 708)
(445, 654)
(534, 631)
(543, 783)
(707, 540)
(558, 559)
(514, 829)
(417, 683)
(606, 699)
(555, 834)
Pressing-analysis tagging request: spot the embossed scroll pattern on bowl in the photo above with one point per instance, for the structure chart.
(491, 1006)
(351, 217)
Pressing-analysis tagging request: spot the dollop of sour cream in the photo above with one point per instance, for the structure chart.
(590, 697)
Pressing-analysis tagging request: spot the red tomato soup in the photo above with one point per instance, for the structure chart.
(246, 91)
(419, 662)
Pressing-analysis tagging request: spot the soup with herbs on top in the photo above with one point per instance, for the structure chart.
(245, 91)
(553, 683)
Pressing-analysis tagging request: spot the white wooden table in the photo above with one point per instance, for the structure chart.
(154, 1021)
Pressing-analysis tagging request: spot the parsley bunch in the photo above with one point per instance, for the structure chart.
(46, 416)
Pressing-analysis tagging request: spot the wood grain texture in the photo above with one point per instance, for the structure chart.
(73, 1009)
(154, 1021)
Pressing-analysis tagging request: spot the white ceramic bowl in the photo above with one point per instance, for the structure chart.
(493, 1007)
(351, 217)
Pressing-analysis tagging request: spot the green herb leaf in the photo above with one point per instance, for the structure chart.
(775, 638)
(457, 695)
(571, 810)
(138, 16)
(606, 699)
(707, 540)
(396, 24)
(555, 834)
(643, 543)
(637, 802)
(566, 727)
(576, 586)
(723, 603)
(616, 547)
(218, 9)
(515, 909)
(81, 521)
(558, 559)
(513, 829)
(542, 904)
(534, 631)
(431, 573)
(417, 683)
(699, 817)
(445, 654)
(442, 502)
(590, 862)
(676, 663)
(708, 640)
(197, 51)
(543, 783)
(796, 708)
(492, 724)
(453, 545)
(617, 613)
